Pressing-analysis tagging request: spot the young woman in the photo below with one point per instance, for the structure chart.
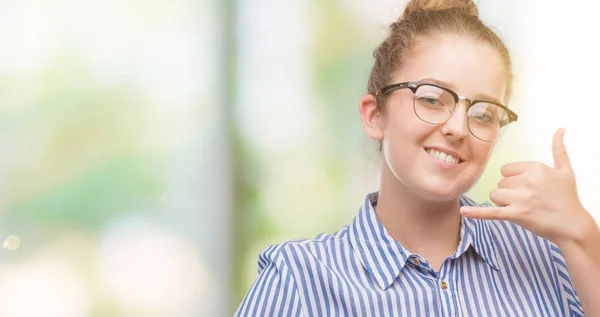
(418, 247)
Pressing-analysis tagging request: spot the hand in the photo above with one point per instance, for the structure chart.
(540, 198)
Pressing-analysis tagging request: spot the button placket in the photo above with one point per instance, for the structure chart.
(446, 289)
(444, 285)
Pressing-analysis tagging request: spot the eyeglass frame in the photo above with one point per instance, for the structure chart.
(414, 85)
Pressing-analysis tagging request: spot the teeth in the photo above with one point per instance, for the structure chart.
(443, 156)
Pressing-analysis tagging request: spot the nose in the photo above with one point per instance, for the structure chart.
(456, 127)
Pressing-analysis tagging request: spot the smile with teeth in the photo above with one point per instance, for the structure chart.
(445, 157)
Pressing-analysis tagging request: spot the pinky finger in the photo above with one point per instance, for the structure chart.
(491, 213)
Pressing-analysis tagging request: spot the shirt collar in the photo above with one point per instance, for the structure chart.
(478, 234)
(384, 258)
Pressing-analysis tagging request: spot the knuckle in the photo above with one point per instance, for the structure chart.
(494, 194)
(504, 170)
(502, 183)
(537, 175)
(522, 211)
(496, 212)
(531, 178)
(530, 196)
(540, 168)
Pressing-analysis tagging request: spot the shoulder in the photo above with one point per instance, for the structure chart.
(520, 250)
(294, 252)
(534, 259)
(512, 239)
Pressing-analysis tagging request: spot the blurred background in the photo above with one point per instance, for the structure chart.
(151, 149)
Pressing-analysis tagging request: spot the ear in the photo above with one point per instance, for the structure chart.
(370, 116)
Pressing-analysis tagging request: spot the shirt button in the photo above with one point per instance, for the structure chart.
(417, 261)
(444, 285)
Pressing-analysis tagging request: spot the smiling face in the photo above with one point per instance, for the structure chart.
(416, 153)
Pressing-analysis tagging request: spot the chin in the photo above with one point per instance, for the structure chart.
(439, 192)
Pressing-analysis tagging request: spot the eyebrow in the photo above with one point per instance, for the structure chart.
(450, 85)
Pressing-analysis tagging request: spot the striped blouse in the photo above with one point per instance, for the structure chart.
(498, 269)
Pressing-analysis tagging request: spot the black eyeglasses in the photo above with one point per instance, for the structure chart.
(435, 104)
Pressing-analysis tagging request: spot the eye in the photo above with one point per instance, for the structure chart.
(431, 101)
(484, 118)
(485, 114)
(433, 97)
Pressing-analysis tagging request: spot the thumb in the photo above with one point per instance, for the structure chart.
(561, 158)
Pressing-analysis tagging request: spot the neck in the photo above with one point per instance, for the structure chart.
(428, 228)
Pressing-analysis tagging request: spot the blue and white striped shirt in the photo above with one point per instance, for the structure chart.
(498, 269)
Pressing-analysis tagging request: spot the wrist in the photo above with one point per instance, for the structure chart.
(581, 236)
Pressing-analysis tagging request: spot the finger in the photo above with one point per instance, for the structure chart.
(513, 182)
(513, 169)
(491, 213)
(505, 197)
(561, 158)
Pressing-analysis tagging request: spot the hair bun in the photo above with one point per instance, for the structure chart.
(466, 6)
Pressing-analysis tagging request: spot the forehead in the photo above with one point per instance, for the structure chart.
(472, 68)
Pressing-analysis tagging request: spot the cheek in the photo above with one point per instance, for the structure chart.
(481, 151)
(403, 125)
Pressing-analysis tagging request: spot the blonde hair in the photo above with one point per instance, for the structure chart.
(423, 18)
